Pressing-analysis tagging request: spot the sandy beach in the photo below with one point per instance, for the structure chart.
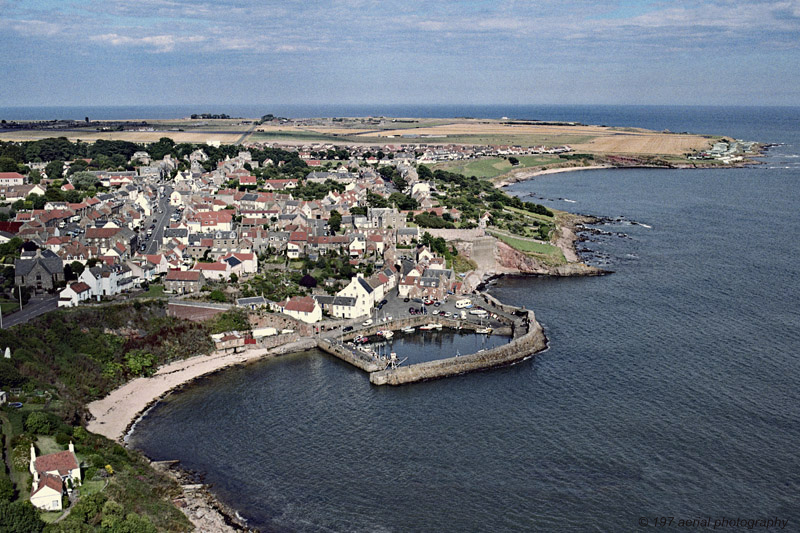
(113, 414)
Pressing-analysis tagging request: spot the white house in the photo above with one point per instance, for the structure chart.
(50, 473)
(305, 309)
(362, 292)
(74, 294)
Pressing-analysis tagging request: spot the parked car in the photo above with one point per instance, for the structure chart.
(384, 302)
(437, 304)
(367, 322)
(406, 299)
(417, 300)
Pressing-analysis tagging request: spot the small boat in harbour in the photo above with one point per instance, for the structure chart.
(484, 331)
(386, 334)
(408, 329)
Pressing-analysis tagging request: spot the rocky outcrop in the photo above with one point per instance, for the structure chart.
(511, 261)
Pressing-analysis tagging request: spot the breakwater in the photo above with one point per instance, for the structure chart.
(527, 339)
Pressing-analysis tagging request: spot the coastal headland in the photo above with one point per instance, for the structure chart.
(334, 213)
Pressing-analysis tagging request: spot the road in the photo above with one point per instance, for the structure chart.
(154, 242)
(38, 305)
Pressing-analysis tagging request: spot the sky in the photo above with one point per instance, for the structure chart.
(171, 52)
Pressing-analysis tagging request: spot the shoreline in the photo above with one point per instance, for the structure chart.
(523, 175)
(114, 415)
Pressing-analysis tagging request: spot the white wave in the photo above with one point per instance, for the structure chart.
(570, 201)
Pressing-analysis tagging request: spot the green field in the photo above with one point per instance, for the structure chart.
(547, 252)
(153, 291)
(491, 167)
(8, 306)
(536, 216)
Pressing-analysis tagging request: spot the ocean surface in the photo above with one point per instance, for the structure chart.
(670, 388)
(735, 121)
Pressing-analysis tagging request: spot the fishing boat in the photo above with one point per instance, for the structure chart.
(408, 329)
(386, 334)
(484, 331)
(430, 326)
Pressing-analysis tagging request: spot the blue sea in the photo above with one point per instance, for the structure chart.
(670, 388)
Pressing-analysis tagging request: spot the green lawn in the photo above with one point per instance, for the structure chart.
(491, 167)
(50, 517)
(47, 445)
(543, 218)
(552, 254)
(153, 291)
(90, 487)
(7, 306)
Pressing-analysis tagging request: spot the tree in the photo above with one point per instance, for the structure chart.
(234, 278)
(514, 161)
(83, 180)
(424, 173)
(79, 165)
(8, 165)
(34, 177)
(54, 170)
(335, 221)
(217, 296)
(308, 281)
(39, 423)
(20, 517)
(6, 488)
(77, 268)
(140, 362)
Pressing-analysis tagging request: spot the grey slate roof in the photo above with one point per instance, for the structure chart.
(48, 259)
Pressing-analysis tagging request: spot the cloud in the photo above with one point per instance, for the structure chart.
(159, 43)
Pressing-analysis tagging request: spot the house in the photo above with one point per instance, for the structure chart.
(74, 294)
(338, 306)
(41, 270)
(219, 270)
(107, 280)
(363, 293)
(50, 473)
(253, 303)
(305, 309)
(11, 178)
(184, 282)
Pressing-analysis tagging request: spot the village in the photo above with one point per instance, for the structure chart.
(304, 250)
(193, 231)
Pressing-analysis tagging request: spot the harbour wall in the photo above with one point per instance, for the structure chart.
(521, 347)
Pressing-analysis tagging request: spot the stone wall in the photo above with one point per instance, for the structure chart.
(519, 348)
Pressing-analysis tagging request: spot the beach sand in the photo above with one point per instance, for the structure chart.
(113, 414)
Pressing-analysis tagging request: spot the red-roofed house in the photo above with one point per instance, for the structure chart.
(74, 294)
(219, 270)
(49, 474)
(11, 178)
(305, 309)
(182, 282)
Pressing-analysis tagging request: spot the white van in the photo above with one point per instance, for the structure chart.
(466, 303)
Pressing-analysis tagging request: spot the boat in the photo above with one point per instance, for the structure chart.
(408, 329)
(427, 327)
(386, 334)
(484, 331)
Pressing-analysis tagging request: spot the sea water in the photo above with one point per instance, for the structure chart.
(669, 388)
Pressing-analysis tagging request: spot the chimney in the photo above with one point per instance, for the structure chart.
(71, 447)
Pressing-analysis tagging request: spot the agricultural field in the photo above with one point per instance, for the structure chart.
(496, 166)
